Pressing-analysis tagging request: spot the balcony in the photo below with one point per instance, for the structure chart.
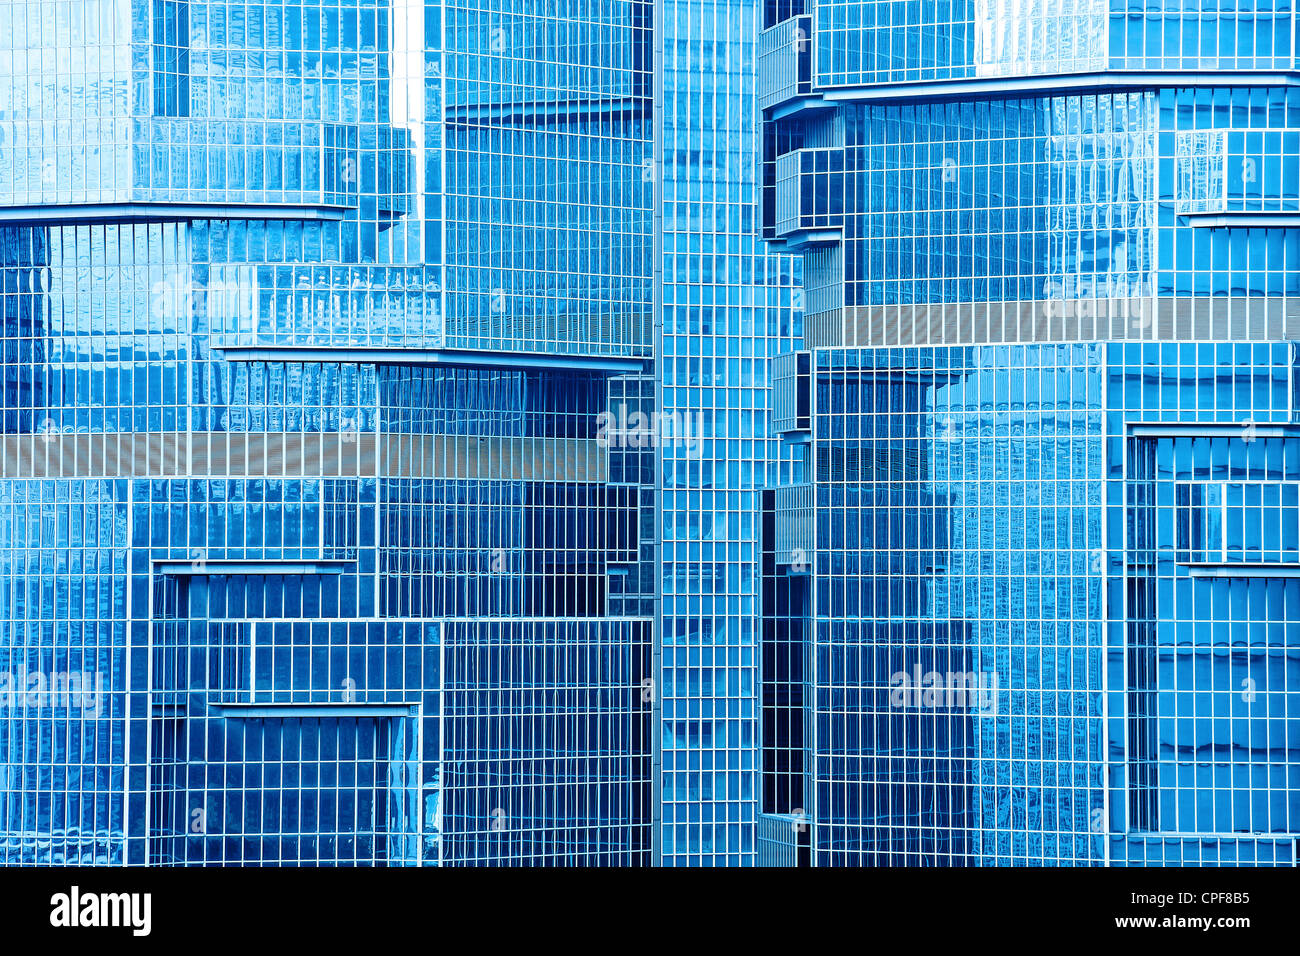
(796, 515)
(809, 206)
(792, 395)
(785, 68)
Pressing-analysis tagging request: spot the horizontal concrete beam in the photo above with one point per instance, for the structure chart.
(1138, 318)
(300, 455)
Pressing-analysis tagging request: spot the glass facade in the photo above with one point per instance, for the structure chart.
(727, 304)
(1031, 599)
(317, 545)
(629, 432)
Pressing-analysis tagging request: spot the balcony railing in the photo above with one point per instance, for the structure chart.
(785, 62)
(810, 196)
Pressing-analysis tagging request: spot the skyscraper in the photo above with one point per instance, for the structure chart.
(317, 543)
(727, 305)
(616, 432)
(1035, 598)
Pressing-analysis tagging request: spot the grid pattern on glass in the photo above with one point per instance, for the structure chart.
(573, 201)
(1051, 199)
(233, 784)
(1006, 526)
(275, 791)
(865, 42)
(894, 41)
(788, 566)
(546, 736)
(726, 303)
(1238, 170)
(565, 50)
(784, 63)
(263, 514)
(956, 631)
(1210, 612)
(1040, 631)
(1058, 218)
(204, 102)
(547, 181)
(64, 758)
(171, 57)
(1238, 521)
